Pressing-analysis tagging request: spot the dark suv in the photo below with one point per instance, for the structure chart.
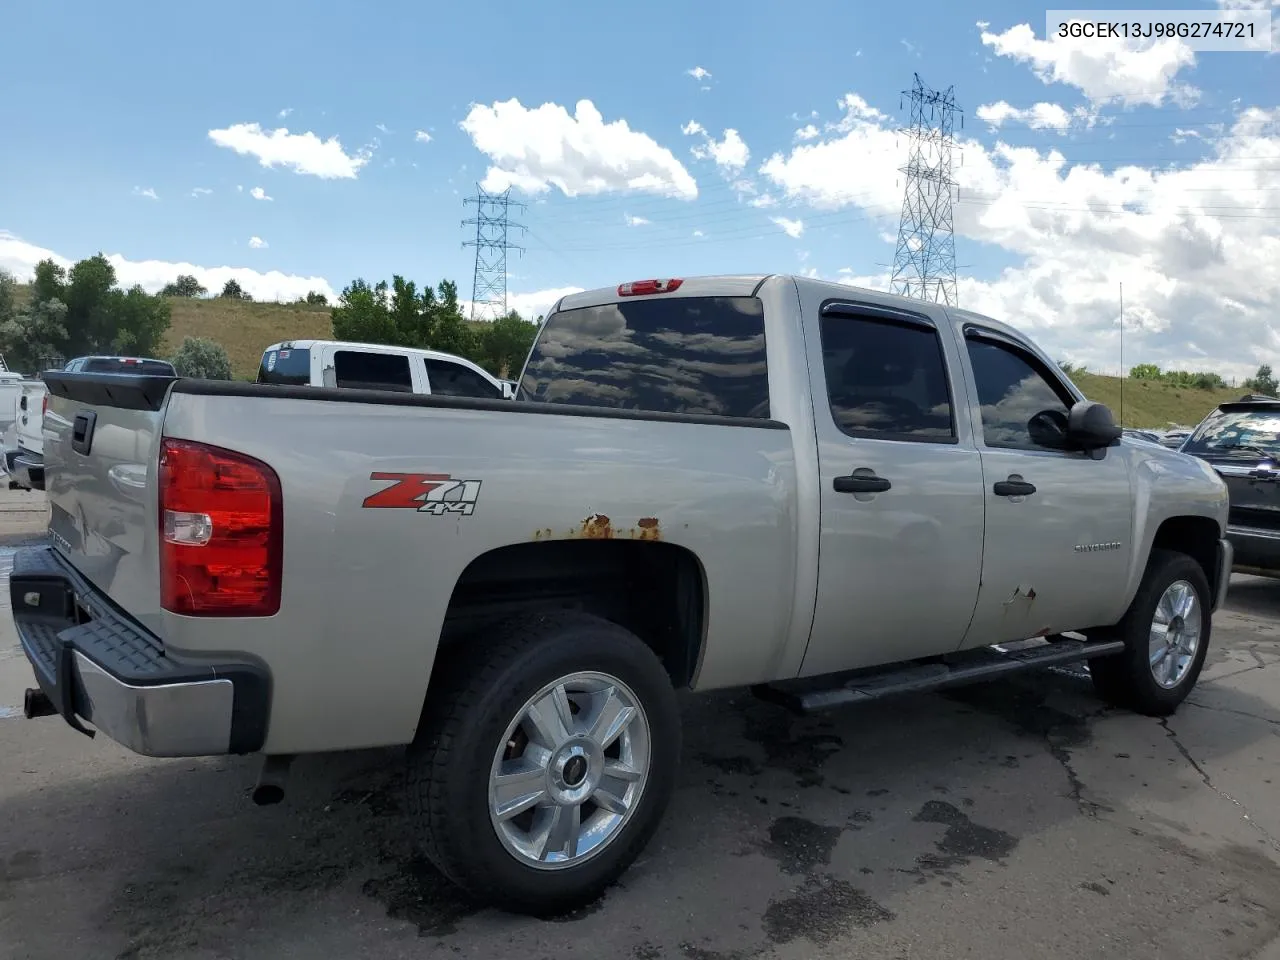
(1241, 440)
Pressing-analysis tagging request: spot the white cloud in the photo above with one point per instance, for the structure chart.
(259, 194)
(1197, 252)
(381, 128)
(285, 112)
(698, 233)
(533, 304)
(201, 192)
(421, 136)
(792, 228)
(257, 243)
(808, 132)
(146, 192)
(730, 153)
(635, 221)
(1182, 136)
(692, 127)
(20, 258)
(1040, 116)
(534, 149)
(698, 73)
(303, 153)
(763, 200)
(1102, 69)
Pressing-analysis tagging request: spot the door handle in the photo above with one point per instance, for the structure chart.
(1013, 488)
(861, 483)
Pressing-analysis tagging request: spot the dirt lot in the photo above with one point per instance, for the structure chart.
(1017, 820)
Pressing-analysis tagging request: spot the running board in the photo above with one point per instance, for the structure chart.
(970, 666)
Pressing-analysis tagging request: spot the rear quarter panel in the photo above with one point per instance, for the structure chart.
(365, 590)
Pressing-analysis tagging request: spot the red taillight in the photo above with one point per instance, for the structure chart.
(221, 532)
(44, 405)
(639, 288)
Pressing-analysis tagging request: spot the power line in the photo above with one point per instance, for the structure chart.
(924, 263)
(493, 225)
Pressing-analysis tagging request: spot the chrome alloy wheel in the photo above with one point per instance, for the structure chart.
(1174, 638)
(569, 771)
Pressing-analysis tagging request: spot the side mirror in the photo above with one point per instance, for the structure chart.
(1048, 428)
(1090, 426)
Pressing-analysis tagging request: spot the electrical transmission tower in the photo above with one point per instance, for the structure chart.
(924, 264)
(493, 225)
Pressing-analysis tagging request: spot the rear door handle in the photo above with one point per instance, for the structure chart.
(1013, 488)
(861, 483)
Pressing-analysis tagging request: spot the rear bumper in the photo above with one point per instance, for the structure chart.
(26, 469)
(94, 662)
(1257, 550)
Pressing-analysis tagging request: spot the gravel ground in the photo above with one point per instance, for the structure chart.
(1013, 820)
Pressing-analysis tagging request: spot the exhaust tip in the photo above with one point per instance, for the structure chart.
(36, 704)
(268, 794)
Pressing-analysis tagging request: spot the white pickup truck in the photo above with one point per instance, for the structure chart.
(823, 493)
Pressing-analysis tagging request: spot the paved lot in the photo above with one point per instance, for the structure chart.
(1012, 820)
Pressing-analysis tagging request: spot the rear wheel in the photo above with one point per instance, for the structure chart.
(545, 762)
(1166, 634)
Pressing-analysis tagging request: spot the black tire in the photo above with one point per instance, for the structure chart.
(1125, 679)
(478, 693)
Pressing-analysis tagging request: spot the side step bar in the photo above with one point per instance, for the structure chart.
(984, 663)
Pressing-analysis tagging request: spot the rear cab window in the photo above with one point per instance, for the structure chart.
(684, 355)
(150, 368)
(288, 366)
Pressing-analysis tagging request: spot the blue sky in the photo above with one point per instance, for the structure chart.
(1159, 168)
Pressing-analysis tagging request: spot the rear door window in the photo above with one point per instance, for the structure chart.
(289, 366)
(363, 370)
(691, 355)
(150, 368)
(449, 379)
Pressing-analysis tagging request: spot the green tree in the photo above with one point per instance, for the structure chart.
(202, 358)
(450, 332)
(317, 299)
(91, 327)
(504, 344)
(231, 290)
(8, 296)
(1262, 382)
(38, 331)
(411, 316)
(49, 282)
(184, 286)
(139, 321)
(362, 314)
(1145, 371)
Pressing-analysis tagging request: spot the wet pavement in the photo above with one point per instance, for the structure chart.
(1017, 819)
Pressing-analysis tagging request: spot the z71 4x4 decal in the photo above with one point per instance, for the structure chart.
(436, 493)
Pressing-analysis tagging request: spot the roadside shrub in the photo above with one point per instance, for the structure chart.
(202, 358)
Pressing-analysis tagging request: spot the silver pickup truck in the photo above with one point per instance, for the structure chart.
(822, 493)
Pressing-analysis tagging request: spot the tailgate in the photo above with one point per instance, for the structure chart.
(101, 451)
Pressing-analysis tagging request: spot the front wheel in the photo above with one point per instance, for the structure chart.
(545, 762)
(1166, 634)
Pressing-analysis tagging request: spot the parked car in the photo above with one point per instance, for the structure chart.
(1174, 438)
(368, 366)
(25, 464)
(1241, 440)
(1144, 435)
(822, 493)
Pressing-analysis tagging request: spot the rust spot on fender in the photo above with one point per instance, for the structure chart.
(597, 527)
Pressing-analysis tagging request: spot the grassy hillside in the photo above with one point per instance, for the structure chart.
(1155, 405)
(245, 328)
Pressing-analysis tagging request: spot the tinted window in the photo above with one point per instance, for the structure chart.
(357, 370)
(289, 366)
(454, 380)
(152, 368)
(1248, 434)
(698, 355)
(1012, 391)
(886, 380)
